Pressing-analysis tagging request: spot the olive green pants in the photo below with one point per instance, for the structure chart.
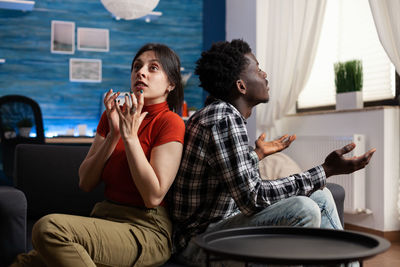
(115, 235)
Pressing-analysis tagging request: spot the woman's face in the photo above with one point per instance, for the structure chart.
(149, 76)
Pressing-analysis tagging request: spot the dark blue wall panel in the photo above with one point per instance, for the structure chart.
(214, 18)
(32, 70)
(214, 25)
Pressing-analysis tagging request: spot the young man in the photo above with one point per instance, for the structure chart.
(218, 185)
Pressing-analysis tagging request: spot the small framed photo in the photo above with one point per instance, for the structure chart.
(62, 37)
(93, 39)
(84, 70)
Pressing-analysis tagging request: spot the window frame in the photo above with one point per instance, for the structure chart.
(384, 102)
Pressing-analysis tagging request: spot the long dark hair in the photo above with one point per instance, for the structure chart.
(172, 67)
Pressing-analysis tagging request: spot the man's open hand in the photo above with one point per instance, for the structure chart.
(264, 149)
(335, 163)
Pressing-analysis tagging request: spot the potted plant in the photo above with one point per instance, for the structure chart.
(9, 132)
(24, 127)
(349, 83)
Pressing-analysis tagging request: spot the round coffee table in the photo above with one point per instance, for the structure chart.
(290, 245)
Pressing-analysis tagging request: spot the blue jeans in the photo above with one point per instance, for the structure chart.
(318, 210)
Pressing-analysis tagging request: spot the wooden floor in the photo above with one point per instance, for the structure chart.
(390, 258)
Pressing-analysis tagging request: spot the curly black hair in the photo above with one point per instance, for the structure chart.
(219, 68)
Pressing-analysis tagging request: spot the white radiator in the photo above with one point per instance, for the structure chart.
(310, 151)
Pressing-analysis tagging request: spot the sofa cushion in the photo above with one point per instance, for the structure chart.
(277, 165)
(48, 175)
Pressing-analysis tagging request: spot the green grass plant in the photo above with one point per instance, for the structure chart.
(348, 76)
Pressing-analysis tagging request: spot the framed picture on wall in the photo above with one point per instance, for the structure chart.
(93, 39)
(84, 70)
(62, 37)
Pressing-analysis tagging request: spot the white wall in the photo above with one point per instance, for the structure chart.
(241, 24)
(381, 129)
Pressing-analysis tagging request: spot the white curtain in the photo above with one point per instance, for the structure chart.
(387, 22)
(291, 30)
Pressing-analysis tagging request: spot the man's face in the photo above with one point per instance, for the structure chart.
(256, 81)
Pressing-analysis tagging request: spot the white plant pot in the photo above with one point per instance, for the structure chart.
(24, 131)
(349, 100)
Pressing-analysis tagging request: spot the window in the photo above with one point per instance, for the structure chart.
(348, 33)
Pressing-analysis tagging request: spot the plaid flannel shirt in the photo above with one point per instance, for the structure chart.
(219, 176)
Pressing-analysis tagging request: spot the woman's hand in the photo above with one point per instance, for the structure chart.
(131, 116)
(112, 115)
(264, 149)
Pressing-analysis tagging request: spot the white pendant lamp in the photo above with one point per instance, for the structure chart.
(129, 9)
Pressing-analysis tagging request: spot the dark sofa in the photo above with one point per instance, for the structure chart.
(46, 181)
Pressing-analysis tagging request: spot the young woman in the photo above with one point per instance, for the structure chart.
(136, 153)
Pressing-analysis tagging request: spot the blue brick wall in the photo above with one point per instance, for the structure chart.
(32, 70)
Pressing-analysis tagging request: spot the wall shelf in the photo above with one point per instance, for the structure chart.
(17, 5)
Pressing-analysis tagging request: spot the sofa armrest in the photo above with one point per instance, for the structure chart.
(338, 194)
(12, 224)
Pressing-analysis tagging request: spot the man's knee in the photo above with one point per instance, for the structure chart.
(308, 212)
(323, 197)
